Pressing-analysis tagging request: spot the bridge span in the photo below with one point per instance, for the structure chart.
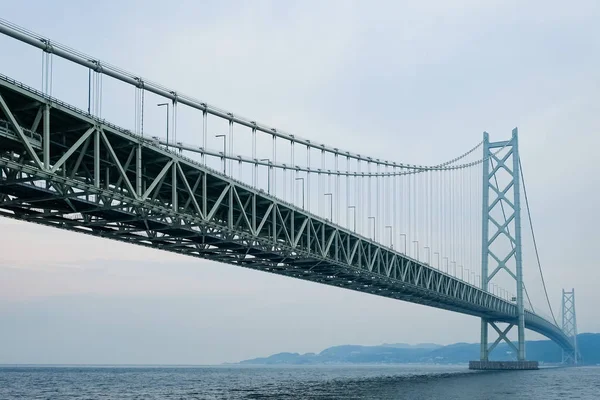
(98, 179)
(68, 168)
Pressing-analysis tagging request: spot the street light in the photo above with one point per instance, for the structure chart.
(428, 254)
(224, 147)
(330, 205)
(438, 259)
(404, 236)
(391, 233)
(302, 179)
(167, 107)
(446, 258)
(269, 175)
(373, 218)
(454, 268)
(468, 275)
(354, 218)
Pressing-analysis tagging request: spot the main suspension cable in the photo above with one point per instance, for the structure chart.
(537, 255)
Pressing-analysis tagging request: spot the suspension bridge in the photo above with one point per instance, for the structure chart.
(447, 235)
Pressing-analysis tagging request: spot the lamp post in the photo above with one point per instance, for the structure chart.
(167, 107)
(404, 236)
(428, 254)
(269, 175)
(446, 258)
(454, 268)
(438, 259)
(302, 179)
(468, 275)
(373, 218)
(224, 147)
(330, 205)
(354, 217)
(391, 235)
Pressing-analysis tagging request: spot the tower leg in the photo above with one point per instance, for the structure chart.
(484, 340)
(517, 245)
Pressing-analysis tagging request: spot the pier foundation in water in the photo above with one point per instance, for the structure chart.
(503, 365)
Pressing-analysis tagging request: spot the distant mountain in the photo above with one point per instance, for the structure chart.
(413, 346)
(543, 350)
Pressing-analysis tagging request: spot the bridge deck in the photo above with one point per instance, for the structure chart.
(89, 176)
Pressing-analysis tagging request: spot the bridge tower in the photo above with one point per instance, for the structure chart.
(501, 245)
(569, 326)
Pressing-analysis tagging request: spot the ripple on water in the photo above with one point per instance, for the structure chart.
(287, 382)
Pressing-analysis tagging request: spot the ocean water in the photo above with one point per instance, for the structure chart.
(413, 382)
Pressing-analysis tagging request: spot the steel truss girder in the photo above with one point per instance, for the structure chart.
(151, 203)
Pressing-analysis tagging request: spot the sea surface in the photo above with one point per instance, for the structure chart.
(413, 382)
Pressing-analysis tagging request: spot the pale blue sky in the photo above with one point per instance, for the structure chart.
(410, 81)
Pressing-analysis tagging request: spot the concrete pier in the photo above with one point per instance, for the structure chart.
(503, 365)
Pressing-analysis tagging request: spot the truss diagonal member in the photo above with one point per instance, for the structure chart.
(329, 242)
(194, 188)
(24, 139)
(502, 195)
(72, 149)
(502, 229)
(127, 164)
(298, 234)
(186, 184)
(243, 209)
(37, 119)
(502, 336)
(157, 180)
(264, 219)
(315, 236)
(500, 163)
(353, 251)
(82, 154)
(283, 224)
(373, 259)
(118, 165)
(217, 204)
(502, 264)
